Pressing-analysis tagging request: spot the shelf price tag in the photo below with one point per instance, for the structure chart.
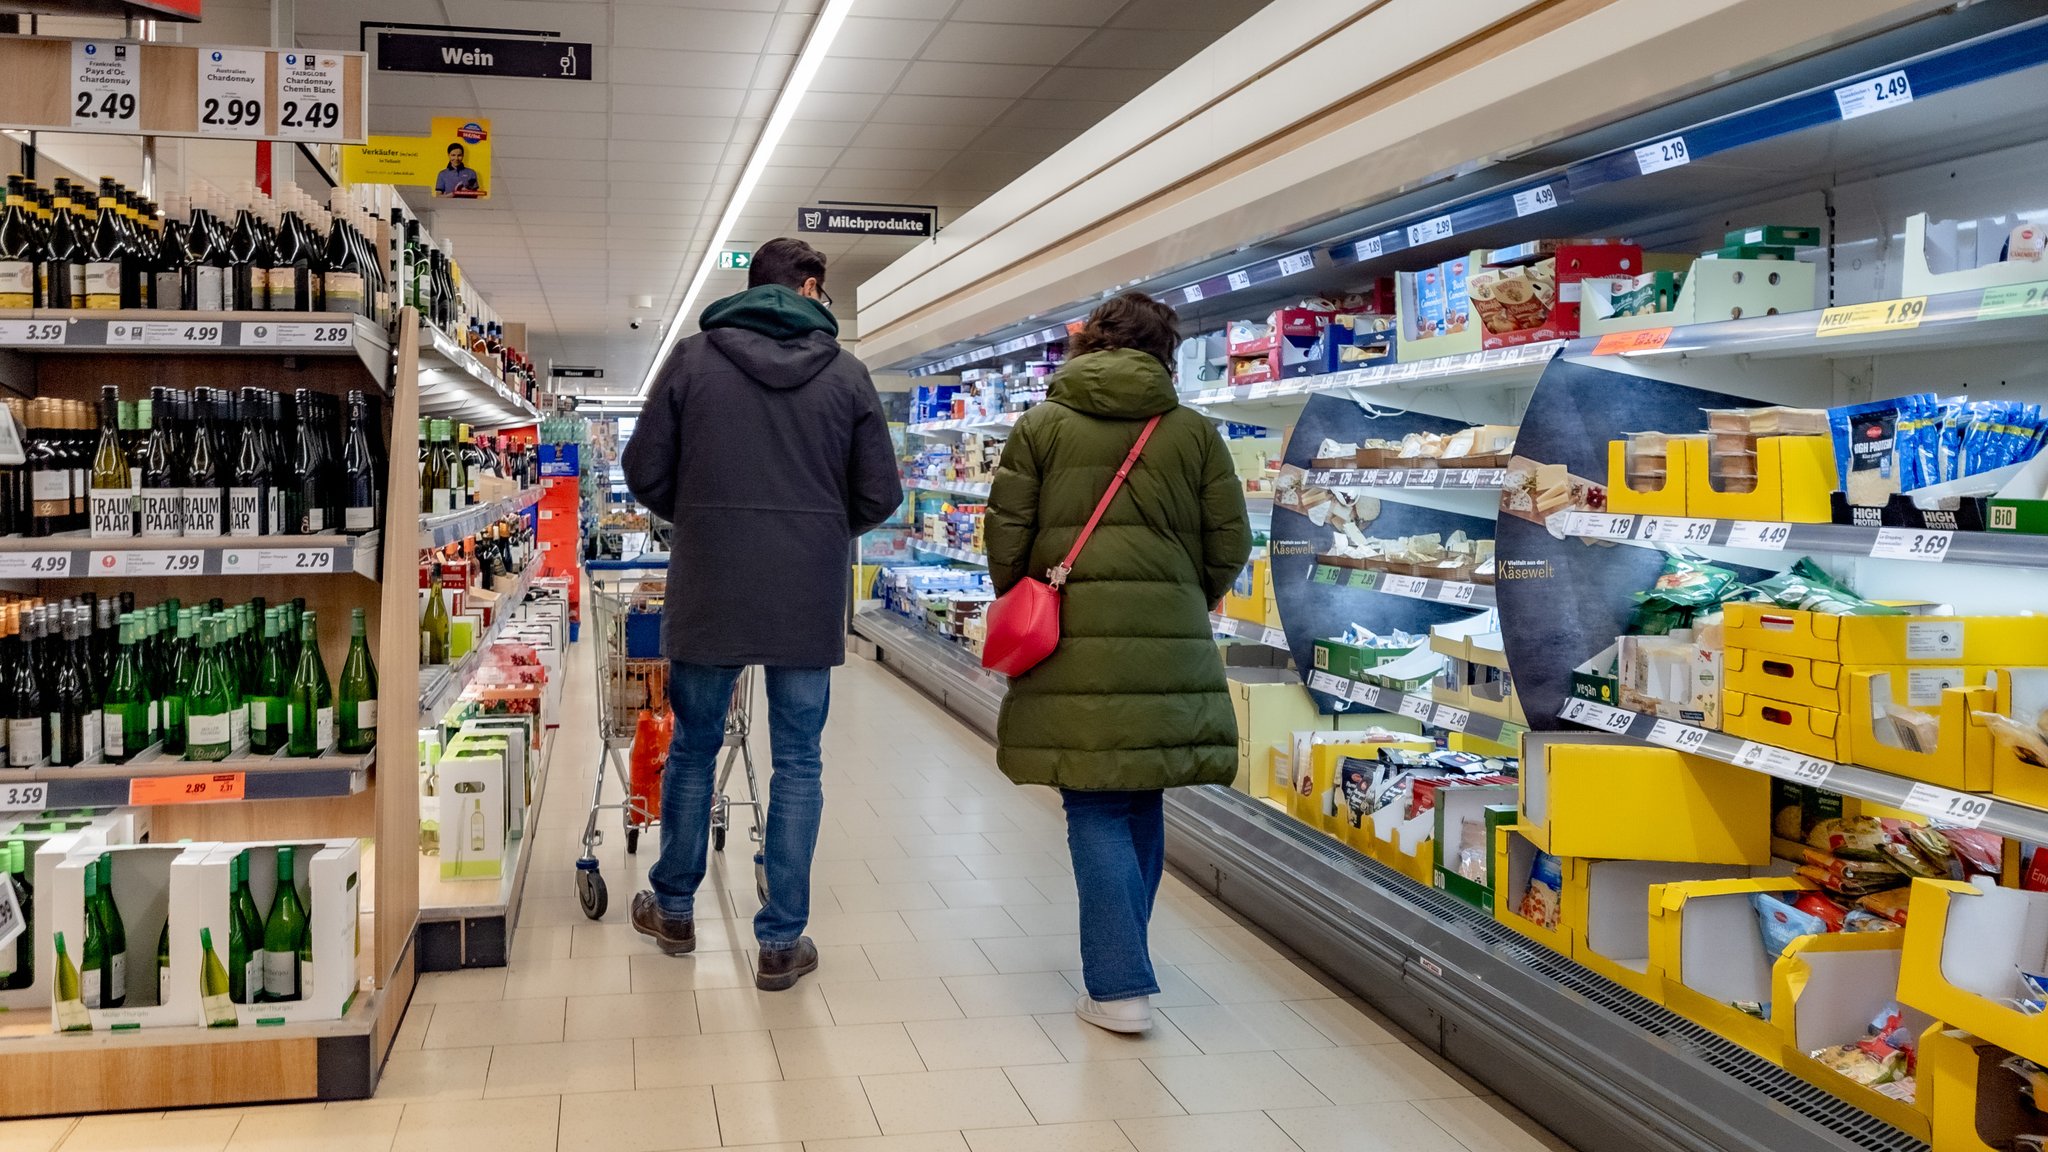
(17, 333)
(1684, 737)
(1875, 94)
(1675, 530)
(1760, 534)
(1878, 316)
(265, 334)
(157, 334)
(1193, 292)
(1454, 719)
(309, 96)
(1403, 585)
(1600, 525)
(1422, 478)
(1273, 638)
(1263, 389)
(24, 797)
(1535, 200)
(1455, 592)
(1416, 708)
(1789, 765)
(1294, 264)
(1324, 682)
(231, 87)
(106, 85)
(1434, 228)
(1370, 248)
(1961, 809)
(1239, 281)
(12, 922)
(1641, 340)
(1366, 694)
(1924, 544)
(1997, 303)
(267, 561)
(1595, 715)
(35, 565)
(1663, 154)
(196, 789)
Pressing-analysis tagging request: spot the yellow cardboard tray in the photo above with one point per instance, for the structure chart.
(1609, 798)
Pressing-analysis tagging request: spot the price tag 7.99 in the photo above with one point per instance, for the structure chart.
(1960, 809)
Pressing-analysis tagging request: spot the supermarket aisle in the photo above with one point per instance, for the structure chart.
(939, 1021)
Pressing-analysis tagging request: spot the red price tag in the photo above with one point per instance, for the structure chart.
(185, 789)
(1646, 340)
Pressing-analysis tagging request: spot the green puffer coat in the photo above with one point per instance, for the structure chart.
(1134, 697)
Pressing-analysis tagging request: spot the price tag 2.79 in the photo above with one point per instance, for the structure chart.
(1960, 809)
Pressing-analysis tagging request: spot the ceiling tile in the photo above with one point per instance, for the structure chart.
(672, 129)
(909, 9)
(879, 135)
(1083, 13)
(559, 149)
(1076, 116)
(838, 107)
(901, 109)
(697, 29)
(1213, 15)
(1003, 43)
(818, 133)
(1162, 49)
(932, 78)
(683, 69)
(1114, 84)
(918, 160)
(839, 74)
(865, 37)
(495, 93)
(660, 101)
(636, 151)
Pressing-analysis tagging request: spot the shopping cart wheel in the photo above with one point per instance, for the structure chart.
(632, 841)
(590, 889)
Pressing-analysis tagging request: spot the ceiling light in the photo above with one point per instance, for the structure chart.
(812, 58)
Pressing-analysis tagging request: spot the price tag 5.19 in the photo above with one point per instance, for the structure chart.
(1926, 545)
(1675, 530)
(1960, 809)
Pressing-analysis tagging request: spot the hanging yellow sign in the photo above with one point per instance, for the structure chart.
(455, 160)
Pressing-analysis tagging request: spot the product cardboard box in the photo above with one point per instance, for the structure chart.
(1514, 860)
(2020, 692)
(1610, 921)
(472, 804)
(1812, 732)
(1316, 797)
(1883, 641)
(1610, 797)
(1961, 756)
(151, 890)
(1968, 1098)
(328, 874)
(1671, 677)
(1794, 477)
(1492, 688)
(1271, 705)
(1668, 497)
(1484, 808)
(48, 843)
(1251, 595)
(1798, 679)
(1825, 991)
(1964, 954)
(1705, 939)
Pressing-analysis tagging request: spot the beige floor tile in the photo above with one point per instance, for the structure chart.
(1058, 888)
(434, 1074)
(629, 1016)
(653, 972)
(752, 1010)
(481, 1023)
(945, 1101)
(1011, 843)
(34, 1135)
(859, 927)
(897, 897)
(1080, 1041)
(837, 964)
(897, 804)
(915, 1142)
(1175, 989)
(1234, 1082)
(552, 1069)
(722, 1058)
(178, 1133)
(982, 822)
(1051, 920)
(1033, 953)
(1228, 1132)
(794, 1110)
(1373, 1073)
(448, 987)
(1238, 944)
(845, 1050)
(1261, 1026)
(595, 940)
(1263, 980)
(370, 1128)
(992, 893)
(525, 1125)
(925, 868)
(903, 961)
(412, 1031)
(1347, 1022)
(1104, 1090)
(542, 942)
(881, 1001)
(1183, 946)
(1464, 1079)
(1012, 994)
(983, 1042)
(1016, 864)
(960, 924)
(1490, 1124)
(1093, 1136)
(949, 844)
(647, 1120)
(1387, 1126)
(859, 848)
(594, 976)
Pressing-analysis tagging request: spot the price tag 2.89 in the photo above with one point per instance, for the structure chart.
(1960, 809)
(197, 789)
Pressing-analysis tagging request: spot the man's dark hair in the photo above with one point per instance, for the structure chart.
(458, 148)
(1132, 320)
(786, 261)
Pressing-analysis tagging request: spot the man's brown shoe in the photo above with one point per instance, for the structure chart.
(781, 968)
(676, 935)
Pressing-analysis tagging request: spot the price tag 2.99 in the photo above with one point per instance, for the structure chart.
(1960, 809)
(1922, 544)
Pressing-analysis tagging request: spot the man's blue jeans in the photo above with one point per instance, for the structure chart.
(797, 702)
(1118, 841)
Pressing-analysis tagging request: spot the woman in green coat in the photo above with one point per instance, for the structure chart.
(1133, 701)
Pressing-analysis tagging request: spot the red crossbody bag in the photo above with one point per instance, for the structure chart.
(1024, 623)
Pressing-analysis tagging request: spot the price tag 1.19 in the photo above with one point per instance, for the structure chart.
(1926, 545)
(106, 85)
(1600, 525)
(197, 789)
(1763, 535)
(1684, 737)
(24, 797)
(1960, 809)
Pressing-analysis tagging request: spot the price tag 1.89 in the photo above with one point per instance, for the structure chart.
(1960, 809)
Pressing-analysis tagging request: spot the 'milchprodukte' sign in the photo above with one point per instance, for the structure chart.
(862, 221)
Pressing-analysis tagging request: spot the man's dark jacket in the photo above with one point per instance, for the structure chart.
(764, 443)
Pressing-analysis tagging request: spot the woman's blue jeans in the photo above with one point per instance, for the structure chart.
(1118, 841)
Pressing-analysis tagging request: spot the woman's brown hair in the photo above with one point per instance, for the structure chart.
(1132, 320)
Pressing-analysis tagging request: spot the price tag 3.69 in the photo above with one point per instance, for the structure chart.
(1923, 544)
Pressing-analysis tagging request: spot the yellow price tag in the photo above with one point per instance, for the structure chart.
(1880, 316)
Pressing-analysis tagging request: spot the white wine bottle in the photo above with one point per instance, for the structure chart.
(216, 1006)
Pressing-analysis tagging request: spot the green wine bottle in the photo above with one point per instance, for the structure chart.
(227, 659)
(267, 730)
(434, 624)
(71, 1007)
(25, 899)
(309, 708)
(128, 704)
(283, 934)
(209, 706)
(245, 932)
(216, 1001)
(116, 942)
(184, 670)
(358, 689)
(92, 964)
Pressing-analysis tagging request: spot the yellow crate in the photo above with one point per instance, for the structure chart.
(1962, 755)
(1798, 679)
(1314, 799)
(1808, 731)
(1967, 1095)
(1513, 853)
(1669, 500)
(1271, 705)
(1461, 742)
(1824, 992)
(1705, 940)
(1623, 801)
(1886, 641)
(1794, 477)
(1963, 957)
(1607, 914)
(1251, 596)
(2011, 777)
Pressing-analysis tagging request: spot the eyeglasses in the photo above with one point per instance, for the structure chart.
(824, 297)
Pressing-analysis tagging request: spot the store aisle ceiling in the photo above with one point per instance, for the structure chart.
(609, 190)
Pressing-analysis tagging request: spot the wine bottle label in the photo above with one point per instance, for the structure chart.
(238, 726)
(344, 292)
(252, 978)
(284, 287)
(117, 736)
(315, 519)
(281, 974)
(259, 715)
(103, 284)
(90, 978)
(113, 512)
(17, 284)
(217, 1010)
(323, 728)
(50, 489)
(25, 743)
(95, 733)
(245, 511)
(77, 281)
(166, 292)
(202, 512)
(209, 286)
(5, 729)
(358, 519)
(154, 720)
(217, 729)
(163, 511)
(117, 975)
(366, 715)
(54, 724)
(275, 505)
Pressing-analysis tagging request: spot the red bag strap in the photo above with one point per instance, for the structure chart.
(1058, 576)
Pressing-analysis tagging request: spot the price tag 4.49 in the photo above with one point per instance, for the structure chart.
(1763, 535)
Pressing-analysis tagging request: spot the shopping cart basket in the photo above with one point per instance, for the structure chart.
(626, 684)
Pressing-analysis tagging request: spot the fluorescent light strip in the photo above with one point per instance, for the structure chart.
(812, 58)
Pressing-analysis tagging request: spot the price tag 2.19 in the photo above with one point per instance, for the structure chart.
(1960, 809)
(1663, 154)
(1763, 535)
(1456, 592)
(1926, 545)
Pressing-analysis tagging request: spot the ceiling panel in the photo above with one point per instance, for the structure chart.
(1114, 85)
(1003, 43)
(698, 29)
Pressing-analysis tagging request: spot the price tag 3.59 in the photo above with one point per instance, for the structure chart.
(15, 333)
(1922, 544)
(24, 797)
(1763, 535)
(1945, 806)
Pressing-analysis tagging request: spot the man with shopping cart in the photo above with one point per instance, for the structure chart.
(764, 443)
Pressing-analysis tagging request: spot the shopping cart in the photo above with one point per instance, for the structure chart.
(626, 684)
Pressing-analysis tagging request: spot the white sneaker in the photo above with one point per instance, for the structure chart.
(1133, 1015)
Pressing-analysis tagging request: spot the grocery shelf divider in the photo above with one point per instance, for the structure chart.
(132, 330)
(953, 487)
(1423, 479)
(1417, 706)
(448, 527)
(478, 934)
(1246, 630)
(1457, 593)
(265, 777)
(2007, 549)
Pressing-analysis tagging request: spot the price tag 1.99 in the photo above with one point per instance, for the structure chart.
(24, 797)
(1960, 809)
(1763, 535)
(1923, 544)
(1789, 765)
(1595, 715)
(1416, 707)
(1683, 737)
(12, 922)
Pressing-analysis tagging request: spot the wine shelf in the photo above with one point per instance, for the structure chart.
(77, 555)
(447, 528)
(272, 777)
(455, 385)
(44, 330)
(441, 684)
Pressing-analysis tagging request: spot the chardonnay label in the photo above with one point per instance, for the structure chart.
(358, 519)
(280, 973)
(202, 512)
(366, 715)
(217, 1010)
(316, 519)
(17, 284)
(103, 284)
(163, 511)
(55, 725)
(344, 292)
(25, 742)
(219, 729)
(113, 512)
(50, 489)
(208, 285)
(323, 728)
(245, 511)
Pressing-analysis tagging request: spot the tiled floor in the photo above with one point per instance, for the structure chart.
(939, 1021)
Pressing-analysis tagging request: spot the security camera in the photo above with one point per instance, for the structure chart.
(634, 324)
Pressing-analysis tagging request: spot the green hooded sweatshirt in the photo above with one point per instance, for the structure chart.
(1134, 697)
(774, 311)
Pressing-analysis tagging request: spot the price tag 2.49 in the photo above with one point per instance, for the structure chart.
(106, 85)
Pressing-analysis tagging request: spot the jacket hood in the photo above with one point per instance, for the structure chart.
(1122, 383)
(779, 338)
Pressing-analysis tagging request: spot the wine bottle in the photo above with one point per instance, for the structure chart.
(127, 706)
(104, 252)
(245, 936)
(66, 706)
(434, 472)
(78, 442)
(248, 258)
(169, 255)
(113, 507)
(291, 265)
(24, 899)
(204, 284)
(434, 623)
(268, 727)
(201, 505)
(358, 691)
(208, 706)
(216, 992)
(249, 496)
(235, 674)
(362, 495)
(115, 939)
(49, 473)
(64, 251)
(345, 280)
(311, 497)
(21, 249)
(71, 1014)
(309, 708)
(284, 933)
(160, 497)
(25, 719)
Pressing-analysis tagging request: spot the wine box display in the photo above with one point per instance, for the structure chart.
(473, 788)
(328, 876)
(155, 894)
(48, 842)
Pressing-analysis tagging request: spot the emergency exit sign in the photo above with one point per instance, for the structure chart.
(733, 261)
